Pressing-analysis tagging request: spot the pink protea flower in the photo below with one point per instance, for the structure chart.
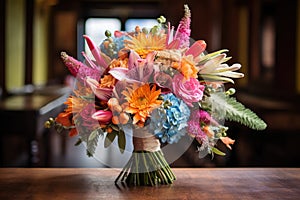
(183, 31)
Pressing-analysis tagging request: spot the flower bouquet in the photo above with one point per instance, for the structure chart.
(157, 87)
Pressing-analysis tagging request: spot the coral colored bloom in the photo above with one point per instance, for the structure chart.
(227, 141)
(141, 101)
(189, 91)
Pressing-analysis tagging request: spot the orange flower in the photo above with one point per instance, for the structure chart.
(73, 132)
(227, 141)
(208, 131)
(121, 62)
(186, 67)
(64, 119)
(108, 81)
(75, 104)
(143, 43)
(141, 101)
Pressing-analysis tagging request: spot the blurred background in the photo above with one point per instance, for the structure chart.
(262, 35)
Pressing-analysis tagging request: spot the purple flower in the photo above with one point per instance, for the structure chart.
(201, 116)
(195, 130)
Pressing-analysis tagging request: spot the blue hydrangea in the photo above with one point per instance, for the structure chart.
(169, 122)
(115, 45)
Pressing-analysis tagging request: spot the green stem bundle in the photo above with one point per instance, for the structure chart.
(146, 168)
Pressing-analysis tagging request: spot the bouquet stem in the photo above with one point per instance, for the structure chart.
(147, 164)
(146, 168)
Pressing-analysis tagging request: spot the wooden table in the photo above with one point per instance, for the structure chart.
(191, 183)
(25, 115)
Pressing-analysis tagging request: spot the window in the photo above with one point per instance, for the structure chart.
(130, 24)
(95, 28)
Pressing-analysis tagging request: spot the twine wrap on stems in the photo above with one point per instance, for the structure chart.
(145, 141)
(147, 165)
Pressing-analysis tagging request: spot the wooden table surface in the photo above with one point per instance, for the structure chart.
(191, 183)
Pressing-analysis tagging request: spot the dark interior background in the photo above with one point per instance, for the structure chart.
(270, 88)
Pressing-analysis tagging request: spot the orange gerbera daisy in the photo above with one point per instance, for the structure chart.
(141, 101)
(143, 43)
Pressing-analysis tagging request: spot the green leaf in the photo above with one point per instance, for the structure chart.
(93, 141)
(79, 141)
(114, 127)
(121, 141)
(217, 151)
(236, 111)
(109, 138)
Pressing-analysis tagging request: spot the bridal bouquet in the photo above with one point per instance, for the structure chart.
(160, 86)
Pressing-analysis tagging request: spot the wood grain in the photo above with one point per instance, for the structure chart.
(191, 183)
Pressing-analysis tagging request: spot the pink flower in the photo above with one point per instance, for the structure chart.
(184, 30)
(101, 93)
(189, 91)
(203, 117)
(78, 69)
(86, 115)
(195, 130)
(102, 116)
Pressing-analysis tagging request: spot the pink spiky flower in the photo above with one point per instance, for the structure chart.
(78, 69)
(183, 31)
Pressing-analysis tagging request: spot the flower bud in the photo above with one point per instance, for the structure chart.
(123, 118)
(109, 130)
(115, 120)
(102, 116)
(117, 108)
(112, 102)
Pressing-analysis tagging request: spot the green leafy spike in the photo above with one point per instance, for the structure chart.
(235, 111)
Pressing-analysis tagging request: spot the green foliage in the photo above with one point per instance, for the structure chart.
(121, 141)
(109, 138)
(217, 151)
(235, 111)
(93, 141)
